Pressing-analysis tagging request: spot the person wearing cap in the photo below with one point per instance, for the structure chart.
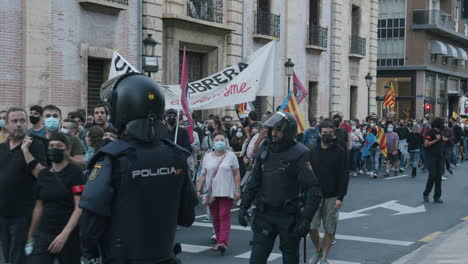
(183, 138)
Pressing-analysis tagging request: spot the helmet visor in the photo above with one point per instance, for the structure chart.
(275, 121)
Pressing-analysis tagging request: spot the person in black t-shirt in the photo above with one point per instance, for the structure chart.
(433, 144)
(53, 233)
(17, 185)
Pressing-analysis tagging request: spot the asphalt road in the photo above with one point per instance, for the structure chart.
(396, 222)
(376, 233)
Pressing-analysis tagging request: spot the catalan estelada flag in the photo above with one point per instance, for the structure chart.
(291, 106)
(390, 97)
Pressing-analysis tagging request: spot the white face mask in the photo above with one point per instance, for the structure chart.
(425, 122)
(353, 127)
(390, 129)
(372, 125)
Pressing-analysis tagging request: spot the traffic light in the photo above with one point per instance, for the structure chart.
(465, 10)
(427, 108)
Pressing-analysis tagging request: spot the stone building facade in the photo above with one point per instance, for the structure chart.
(59, 51)
(65, 52)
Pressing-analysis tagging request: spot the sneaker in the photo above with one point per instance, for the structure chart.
(444, 178)
(387, 173)
(438, 200)
(354, 174)
(207, 219)
(401, 170)
(369, 173)
(334, 242)
(360, 172)
(315, 258)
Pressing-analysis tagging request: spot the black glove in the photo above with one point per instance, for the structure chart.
(243, 217)
(302, 228)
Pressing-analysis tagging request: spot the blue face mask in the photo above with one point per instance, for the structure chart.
(2, 123)
(220, 145)
(51, 123)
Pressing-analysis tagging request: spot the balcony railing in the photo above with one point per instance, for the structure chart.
(267, 24)
(358, 45)
(204, 10)
(122, 2)
(433, 17)
(318, 36)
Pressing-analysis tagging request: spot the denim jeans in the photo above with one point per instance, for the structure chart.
(403, 153)
(373, 160)
(455, 154)
(355, 156)
(414, 158)
(423, 156)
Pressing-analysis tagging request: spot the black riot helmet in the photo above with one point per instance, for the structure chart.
(136, 103)
(284, 122)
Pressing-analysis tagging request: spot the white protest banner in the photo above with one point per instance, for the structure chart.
(463, 106)
(240, 83)
(120, 66)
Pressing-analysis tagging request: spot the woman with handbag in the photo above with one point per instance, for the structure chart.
(222, 188)
(53, 232)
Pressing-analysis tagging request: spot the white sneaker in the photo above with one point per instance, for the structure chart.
(354, 174)
(444, 178)
(369, 173)
(315, 258)
(360, 172)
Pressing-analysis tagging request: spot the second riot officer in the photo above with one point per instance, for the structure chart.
(286, 191)
(138, 190)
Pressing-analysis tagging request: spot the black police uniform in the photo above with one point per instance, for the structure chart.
(435, 165)
(139, 188)
(287, 195)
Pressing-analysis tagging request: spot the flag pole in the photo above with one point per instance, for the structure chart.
(177, 126)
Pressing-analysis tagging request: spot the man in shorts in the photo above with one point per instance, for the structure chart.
(330, 166)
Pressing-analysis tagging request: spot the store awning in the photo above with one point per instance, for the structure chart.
(462, 54)
(451, 51)
(438, 47)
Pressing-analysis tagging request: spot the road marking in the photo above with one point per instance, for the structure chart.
(343, 237)
(205, 215)
(391, 205)
(429, 237)
(465, 218)
(210, 225)
(374, 240)
(246, 255)
(394, 177)
(193, 248)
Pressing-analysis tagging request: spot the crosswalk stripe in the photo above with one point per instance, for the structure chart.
(193, 248)
(246, 255)
(343, 237)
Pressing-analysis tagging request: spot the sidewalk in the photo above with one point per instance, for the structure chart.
(451, 247)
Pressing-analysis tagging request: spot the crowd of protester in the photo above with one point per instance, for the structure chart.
(48, 155)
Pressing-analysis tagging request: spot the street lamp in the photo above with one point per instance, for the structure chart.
(289, 65)
(150, 61)
(369, 84)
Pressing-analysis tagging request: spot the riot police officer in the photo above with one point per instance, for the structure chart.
(138, 190)
(286, 191)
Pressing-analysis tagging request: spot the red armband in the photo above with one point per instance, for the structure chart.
(77, 189)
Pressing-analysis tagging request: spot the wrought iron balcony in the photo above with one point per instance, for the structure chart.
(267, 24)
(358, 45)
(318, 36)
(204, 10)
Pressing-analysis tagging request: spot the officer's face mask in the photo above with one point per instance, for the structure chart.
(220, 145)
(51, 123)
(56, 155)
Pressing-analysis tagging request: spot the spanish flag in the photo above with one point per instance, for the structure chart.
(389, 99)
(381, 139)
(291, 106)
